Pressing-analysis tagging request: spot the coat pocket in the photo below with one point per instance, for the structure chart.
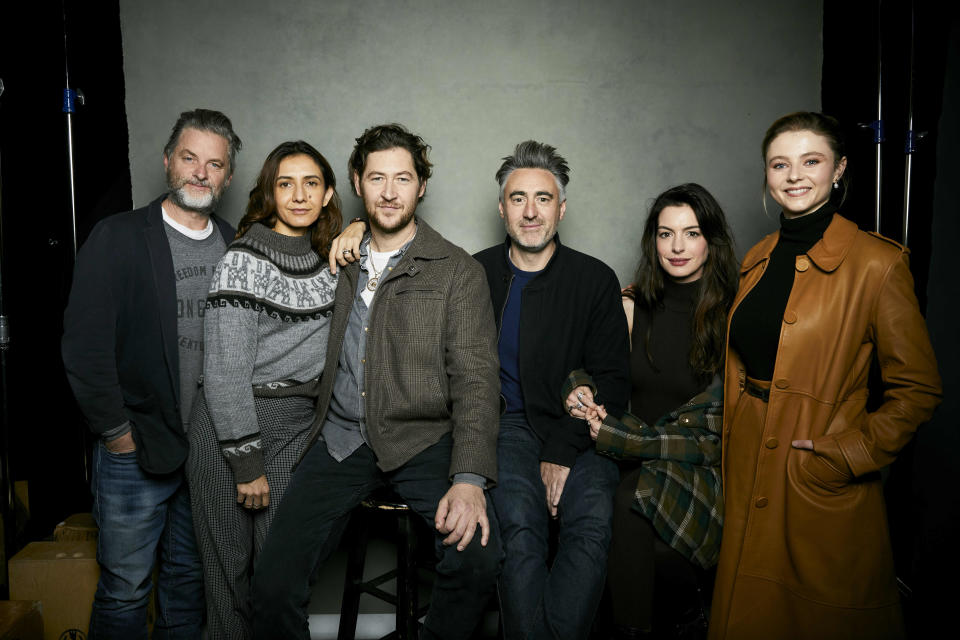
(823, 473)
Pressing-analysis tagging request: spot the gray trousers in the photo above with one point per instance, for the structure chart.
(230, 536)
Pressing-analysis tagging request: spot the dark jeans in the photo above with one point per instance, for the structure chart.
(311, 519)
(538, 601)
(137, 513)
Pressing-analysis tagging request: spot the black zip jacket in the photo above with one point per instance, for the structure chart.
(571, 318)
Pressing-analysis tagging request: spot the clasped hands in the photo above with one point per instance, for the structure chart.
(580, 405)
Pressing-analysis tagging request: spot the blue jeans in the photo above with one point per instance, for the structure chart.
(139, 513)
(558, 601)
(311, 519)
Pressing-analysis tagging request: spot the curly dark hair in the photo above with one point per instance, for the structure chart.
(718, 283)
(262, 207)
(390, 136)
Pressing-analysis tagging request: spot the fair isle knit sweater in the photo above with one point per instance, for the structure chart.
(266, 326)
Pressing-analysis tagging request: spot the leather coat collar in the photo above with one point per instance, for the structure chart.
(828, 253)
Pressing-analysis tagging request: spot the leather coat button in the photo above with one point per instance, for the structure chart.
(761, 502)
(782, 383)
(802, 264)
(790, 317)
(771, 443)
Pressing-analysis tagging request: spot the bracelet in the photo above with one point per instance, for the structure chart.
(359, 219)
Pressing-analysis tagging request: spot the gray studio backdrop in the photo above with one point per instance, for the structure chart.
(639, 96)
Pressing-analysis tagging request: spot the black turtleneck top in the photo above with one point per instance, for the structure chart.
(669, 381)
(756, 324)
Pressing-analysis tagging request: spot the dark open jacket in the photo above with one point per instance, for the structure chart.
(571, 318)
(120, 334)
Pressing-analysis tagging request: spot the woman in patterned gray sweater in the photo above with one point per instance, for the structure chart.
(265, 333)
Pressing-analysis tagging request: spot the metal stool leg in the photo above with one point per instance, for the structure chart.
(353, 582)
(407, 590)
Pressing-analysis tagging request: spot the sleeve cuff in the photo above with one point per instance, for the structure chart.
(112, 434)
(577, 378)
(611, 440)
(475, 479)
(246, 463)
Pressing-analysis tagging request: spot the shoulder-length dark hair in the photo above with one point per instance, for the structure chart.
(718, 284)
(262, 206)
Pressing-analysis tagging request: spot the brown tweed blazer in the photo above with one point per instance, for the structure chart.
(431, 360)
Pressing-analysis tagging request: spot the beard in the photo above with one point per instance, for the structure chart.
(525, 245)
(203, 204)
(387, 227)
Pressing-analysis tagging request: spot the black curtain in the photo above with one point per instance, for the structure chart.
(47, 441)
(860, 40)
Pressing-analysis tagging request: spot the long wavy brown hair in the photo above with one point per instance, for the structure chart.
(262, 206)
(718, 285)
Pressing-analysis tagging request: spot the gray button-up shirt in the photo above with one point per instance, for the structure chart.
(345, 428)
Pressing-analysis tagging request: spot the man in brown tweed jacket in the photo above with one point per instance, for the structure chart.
(411, 402)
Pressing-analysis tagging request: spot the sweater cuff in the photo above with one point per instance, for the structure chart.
(475, 479)
(245, 460)
(112, 434)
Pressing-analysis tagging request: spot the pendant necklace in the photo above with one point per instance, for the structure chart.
(375, 279)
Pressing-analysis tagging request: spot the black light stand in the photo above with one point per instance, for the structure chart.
(912, 137)
(71, 98)
(877, 125)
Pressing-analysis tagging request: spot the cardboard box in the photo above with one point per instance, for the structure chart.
(63, 577)
(79, 526)
(20, 620)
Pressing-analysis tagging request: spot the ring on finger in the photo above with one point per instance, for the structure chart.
(579, 405)
(347, 252)
(580, 395)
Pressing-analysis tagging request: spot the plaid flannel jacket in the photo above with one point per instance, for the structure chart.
(679, 488)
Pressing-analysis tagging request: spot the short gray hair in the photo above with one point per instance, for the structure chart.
(205, 120)
(535, 155)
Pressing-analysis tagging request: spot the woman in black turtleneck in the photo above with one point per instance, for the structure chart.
(676, 310)
(805, 550)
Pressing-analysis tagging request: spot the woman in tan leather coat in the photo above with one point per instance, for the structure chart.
(805, 551)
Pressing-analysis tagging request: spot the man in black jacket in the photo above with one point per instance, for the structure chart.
(133, 351)
(557, 310)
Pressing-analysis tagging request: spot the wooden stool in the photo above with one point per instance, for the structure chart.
(406, 599)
